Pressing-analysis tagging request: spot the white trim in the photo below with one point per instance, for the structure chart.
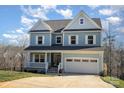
(56, 39)
(42, 39)
(81, 31)
(69, 39)
(39, 32)
(86, 39)
(63, 39)
(50, 39)
(94, 39)
(33, 57)
(45, 57)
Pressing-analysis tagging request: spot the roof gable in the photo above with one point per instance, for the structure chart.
(89, 23)
(40, 26)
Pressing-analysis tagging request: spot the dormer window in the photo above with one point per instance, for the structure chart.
(40, 40)
(81, 21)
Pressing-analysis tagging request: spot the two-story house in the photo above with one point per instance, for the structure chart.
(73, 45)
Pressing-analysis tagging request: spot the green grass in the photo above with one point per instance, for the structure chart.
(114, 81)
(13, 75)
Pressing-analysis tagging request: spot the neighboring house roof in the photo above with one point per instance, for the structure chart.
(59, 25)
(84, 48)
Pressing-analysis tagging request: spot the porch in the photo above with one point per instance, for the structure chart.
(44, 61)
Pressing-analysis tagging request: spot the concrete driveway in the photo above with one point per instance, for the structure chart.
(68, 81)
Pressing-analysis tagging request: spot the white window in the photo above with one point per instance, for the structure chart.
(93, 60)
(73, 40)
(85, 60)
(39, 57)
(69, 60)
(81, 21)
(77, 60)
(90, 39)
(40, 40)
(58, 39)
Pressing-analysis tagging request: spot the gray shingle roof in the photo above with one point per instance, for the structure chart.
(83, 48)
(59, 25)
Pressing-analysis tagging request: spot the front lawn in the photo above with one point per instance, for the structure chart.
(114, 81)
(13, 75)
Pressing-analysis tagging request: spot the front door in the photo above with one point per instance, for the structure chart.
(55, 59)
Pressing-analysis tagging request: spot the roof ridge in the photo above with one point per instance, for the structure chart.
(58, 20)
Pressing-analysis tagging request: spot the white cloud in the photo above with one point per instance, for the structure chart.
(10, 36)
(19, 31)
(67, 13)
(39, 12)
(120, 29)
(114, 20)
(47, 7)
(107, 12)
(27, 22)
(93, 6)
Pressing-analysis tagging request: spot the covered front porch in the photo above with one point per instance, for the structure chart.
(44, 61)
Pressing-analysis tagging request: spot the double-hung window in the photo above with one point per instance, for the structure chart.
(58, 40)
(90, 39)
(40, 40)
(73, 40)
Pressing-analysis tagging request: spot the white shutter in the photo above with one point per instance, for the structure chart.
(86, 39)
(94, 39)
(69, 40)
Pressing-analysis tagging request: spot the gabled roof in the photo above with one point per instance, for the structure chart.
(40, 25)
(93, 24)
(59, 25)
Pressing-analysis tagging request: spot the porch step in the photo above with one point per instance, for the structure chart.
(53, 70)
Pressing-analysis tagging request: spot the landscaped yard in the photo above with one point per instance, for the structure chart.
(13, 75)
(114, 81)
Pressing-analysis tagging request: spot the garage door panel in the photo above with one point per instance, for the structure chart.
(80, 67)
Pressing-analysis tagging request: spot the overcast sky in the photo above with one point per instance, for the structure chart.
(15, 21)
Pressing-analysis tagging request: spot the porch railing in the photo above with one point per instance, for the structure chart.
(37, 65)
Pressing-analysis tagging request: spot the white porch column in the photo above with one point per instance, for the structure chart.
(62, 63)
(46, 63)
(27, 59)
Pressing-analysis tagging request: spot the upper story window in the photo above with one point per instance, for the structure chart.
(91, 39)
(73, 40)
(40, 40)
(81, 21)
(58, 40)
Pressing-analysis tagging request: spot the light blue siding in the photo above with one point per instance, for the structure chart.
(46, 38)
(81, 38)
(54, 38)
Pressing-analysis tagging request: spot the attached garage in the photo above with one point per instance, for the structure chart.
(82, 63)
